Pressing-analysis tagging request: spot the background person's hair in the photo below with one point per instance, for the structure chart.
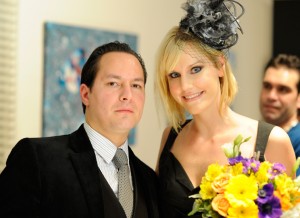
(91, 67)
(288, 61)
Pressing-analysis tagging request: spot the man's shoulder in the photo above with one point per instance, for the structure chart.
(294, 135)
(139, 163)
(297, 127)
(295, 131)
(48, 141)
(44, 140)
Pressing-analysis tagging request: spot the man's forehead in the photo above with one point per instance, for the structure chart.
(284, 76)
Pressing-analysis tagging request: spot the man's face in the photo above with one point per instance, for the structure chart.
(279, 97)
(114, 104)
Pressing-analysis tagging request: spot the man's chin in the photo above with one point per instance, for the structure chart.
(271, 119)
(126, 127)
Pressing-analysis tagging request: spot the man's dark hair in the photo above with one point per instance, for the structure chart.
(91, 67)
(288, 61)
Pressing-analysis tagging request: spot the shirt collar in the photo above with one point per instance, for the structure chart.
(103, 146)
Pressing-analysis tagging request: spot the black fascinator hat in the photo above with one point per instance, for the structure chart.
(215, 22)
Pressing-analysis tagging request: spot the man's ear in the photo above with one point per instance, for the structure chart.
(298, 101)
(84, 94)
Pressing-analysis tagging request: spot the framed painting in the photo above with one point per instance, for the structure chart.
(66, 49)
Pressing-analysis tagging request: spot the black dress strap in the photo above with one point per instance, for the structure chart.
(263, 132)
(172, 136)
(170, 140)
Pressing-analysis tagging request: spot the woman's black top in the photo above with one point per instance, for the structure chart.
(175, 186)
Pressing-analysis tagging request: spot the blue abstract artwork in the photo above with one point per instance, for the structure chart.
(66, 48)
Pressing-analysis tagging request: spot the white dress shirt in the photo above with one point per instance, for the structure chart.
(105, 151)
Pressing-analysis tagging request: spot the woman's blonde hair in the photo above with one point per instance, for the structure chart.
(168, 55)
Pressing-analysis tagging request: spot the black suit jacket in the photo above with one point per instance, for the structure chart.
(59, 177)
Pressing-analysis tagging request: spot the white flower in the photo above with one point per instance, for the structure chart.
(228, 150)
(233, 149)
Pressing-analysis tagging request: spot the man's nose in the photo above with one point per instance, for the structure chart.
(273, 94)
(126, 93)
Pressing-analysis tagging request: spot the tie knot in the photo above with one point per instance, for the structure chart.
(120, 158)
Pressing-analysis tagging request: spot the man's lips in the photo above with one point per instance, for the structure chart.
(270, 107)
(124, 110)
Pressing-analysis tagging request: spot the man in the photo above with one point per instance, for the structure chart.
(280, 96)
(75, 175)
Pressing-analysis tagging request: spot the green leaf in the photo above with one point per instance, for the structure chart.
(195, 196)
(238, 140)
(296, 165)
(196, 208)
(247, 139)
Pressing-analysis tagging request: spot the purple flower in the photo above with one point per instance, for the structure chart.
(265, 193)
(277, 169)
(248, 163)
(268, 205)
(235, 160)
(255, 164)
(251, 165)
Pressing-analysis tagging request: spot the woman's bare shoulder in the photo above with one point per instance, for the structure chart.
(279, 137)
(279, 149)
(163, 141)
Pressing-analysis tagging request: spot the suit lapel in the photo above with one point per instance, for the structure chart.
(143, 194)
(134, 183)
(85, 165)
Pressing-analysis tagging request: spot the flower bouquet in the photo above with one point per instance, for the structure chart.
(247, 188)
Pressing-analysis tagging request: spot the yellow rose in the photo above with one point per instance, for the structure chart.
(221, 182)
(220, 204)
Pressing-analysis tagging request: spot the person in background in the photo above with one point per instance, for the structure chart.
(280, 96)
(193, 75)
(75, 175)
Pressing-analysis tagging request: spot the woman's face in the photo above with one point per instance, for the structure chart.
(194, 83)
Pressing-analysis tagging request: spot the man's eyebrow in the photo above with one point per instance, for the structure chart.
(284, 86)
(266, 82)
(113, 76)
(139, 79)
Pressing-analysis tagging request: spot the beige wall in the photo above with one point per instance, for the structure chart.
(252, 52)
(150, 20)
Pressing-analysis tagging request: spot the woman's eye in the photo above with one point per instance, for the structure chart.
(174, 75)
(196, 69)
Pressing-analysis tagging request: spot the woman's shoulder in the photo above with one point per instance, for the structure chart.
(166, 134)
(245, 120)
(279, 149)
(164, 138)
(278, 136)
(246, 125)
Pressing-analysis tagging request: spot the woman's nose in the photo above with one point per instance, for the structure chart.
(186, 82)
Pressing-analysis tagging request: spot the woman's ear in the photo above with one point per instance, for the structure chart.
(84, 94)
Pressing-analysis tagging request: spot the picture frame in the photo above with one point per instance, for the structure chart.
(66, 48)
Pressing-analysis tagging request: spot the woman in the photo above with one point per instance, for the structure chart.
(193, 75)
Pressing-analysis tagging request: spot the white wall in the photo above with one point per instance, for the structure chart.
(150, 20)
